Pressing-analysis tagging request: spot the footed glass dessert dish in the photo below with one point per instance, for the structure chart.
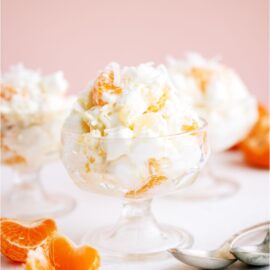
(217, 94)
(211, 185)
(26, 147)
(136, 170)
(33, 108)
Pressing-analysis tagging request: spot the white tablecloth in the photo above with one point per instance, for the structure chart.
(210, 222)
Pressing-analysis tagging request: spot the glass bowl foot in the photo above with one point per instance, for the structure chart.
(137, 235)
(126, 243)
(28, 200)
(37, 207)
(209, 186)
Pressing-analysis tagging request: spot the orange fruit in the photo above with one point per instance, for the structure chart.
(38, 260)
(153, 181)
(18, 237)
(156, 178)
(7, 92)
(255, 146)
(234, 147)
(62, 255)
(103, 83)
(202, 76)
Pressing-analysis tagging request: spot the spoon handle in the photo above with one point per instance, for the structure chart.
(233, 238)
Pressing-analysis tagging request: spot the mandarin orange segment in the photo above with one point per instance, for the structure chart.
(153, 181)
(255, 146)
(153, 166)
(202, 77)
(193, 126)
(85, 126)
(159, 105)
(88, 164)
(156, 178)
(104, 83)
(38, 260)
(14, 160)
(234, 148)
(96, 97)
(5, 148)
(64, 256)
(17, 237)
(7, 92)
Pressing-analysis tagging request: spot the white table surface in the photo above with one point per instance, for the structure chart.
(210, 222)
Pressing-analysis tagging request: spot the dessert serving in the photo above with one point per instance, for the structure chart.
(33, 108)
(130, 135)
(218, 95)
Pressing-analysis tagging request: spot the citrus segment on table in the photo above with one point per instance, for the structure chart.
(60, 254)
(255, 146)
(38, 260)
(63, 255)
(18, 237)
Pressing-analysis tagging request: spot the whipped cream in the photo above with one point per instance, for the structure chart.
(122, 133)
(33, 108)
(218, 94)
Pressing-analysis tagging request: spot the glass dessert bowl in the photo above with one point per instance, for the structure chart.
(218, 95)
(32, 115)
(136, 170)
(130, 136)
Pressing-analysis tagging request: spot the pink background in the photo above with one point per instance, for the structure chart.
(82, 36)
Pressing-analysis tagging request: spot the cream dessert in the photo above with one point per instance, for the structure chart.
(218, 94)
(130, 133)
(33, 108)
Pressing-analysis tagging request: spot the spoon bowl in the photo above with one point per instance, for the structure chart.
(254, 255)
(218, 258)
(203, 259)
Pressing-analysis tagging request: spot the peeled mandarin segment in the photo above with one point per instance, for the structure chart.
(38, 260)
(88, 164)
(188, 128)
(260, 161)
(86, 258)
(262, 113)
(63, 256)
(86, 128)
(107, 84)
(7, 92)
(17, 238)
(202, 76)
(234, 148)
(104, 82)
(96, 97)
(154, 181)
(5, 147)
(159, 105)
(61, 253)
(256, 145)
(156, 178)
(14, 160)
(153, 166)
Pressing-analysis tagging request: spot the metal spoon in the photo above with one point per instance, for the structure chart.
(254, 255)
(214, 259)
